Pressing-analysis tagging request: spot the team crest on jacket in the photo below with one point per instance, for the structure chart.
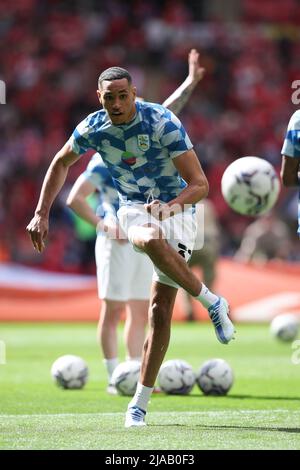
(143, 142)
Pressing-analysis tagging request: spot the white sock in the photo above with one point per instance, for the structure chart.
(137, 358)
(206, 297)
(110, 365)
(141, 396)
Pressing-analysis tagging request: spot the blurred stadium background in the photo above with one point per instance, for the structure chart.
(52, 53)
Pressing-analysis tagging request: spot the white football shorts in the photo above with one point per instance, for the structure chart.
(180, 231)
(122, 273)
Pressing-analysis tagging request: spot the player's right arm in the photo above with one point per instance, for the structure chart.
(54, 179)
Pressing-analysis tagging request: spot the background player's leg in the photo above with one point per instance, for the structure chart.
(135, 327)
(107, 338)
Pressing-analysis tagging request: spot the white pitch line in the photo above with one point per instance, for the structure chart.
(154, 413)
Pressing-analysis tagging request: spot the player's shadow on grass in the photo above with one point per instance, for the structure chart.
(263, 397)
(232, 427)
(252, 428)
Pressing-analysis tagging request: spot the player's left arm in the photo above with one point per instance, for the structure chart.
(189, 168)
(290, 167)
(181, 95)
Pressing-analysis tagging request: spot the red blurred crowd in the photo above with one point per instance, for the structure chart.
(52, 54)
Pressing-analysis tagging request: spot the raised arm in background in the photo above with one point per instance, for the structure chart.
(181, 95)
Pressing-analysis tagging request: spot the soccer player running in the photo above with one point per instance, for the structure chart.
(159, 178)
(124, 276)
(291, 157)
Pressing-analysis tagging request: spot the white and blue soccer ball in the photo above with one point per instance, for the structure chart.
(70, 372)
(215, 377)
(250, 186)
(285, 327)
(176, 377)
(125, 377)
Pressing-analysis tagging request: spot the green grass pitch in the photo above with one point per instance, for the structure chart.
(261, 411)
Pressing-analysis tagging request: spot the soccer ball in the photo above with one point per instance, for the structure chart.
(250, 186)
(176, 377)
(125, 377)
(215, 377)
(70, 372)
(285, 327)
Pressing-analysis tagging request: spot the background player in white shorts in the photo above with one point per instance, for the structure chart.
(291, 157)
(124, 276)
